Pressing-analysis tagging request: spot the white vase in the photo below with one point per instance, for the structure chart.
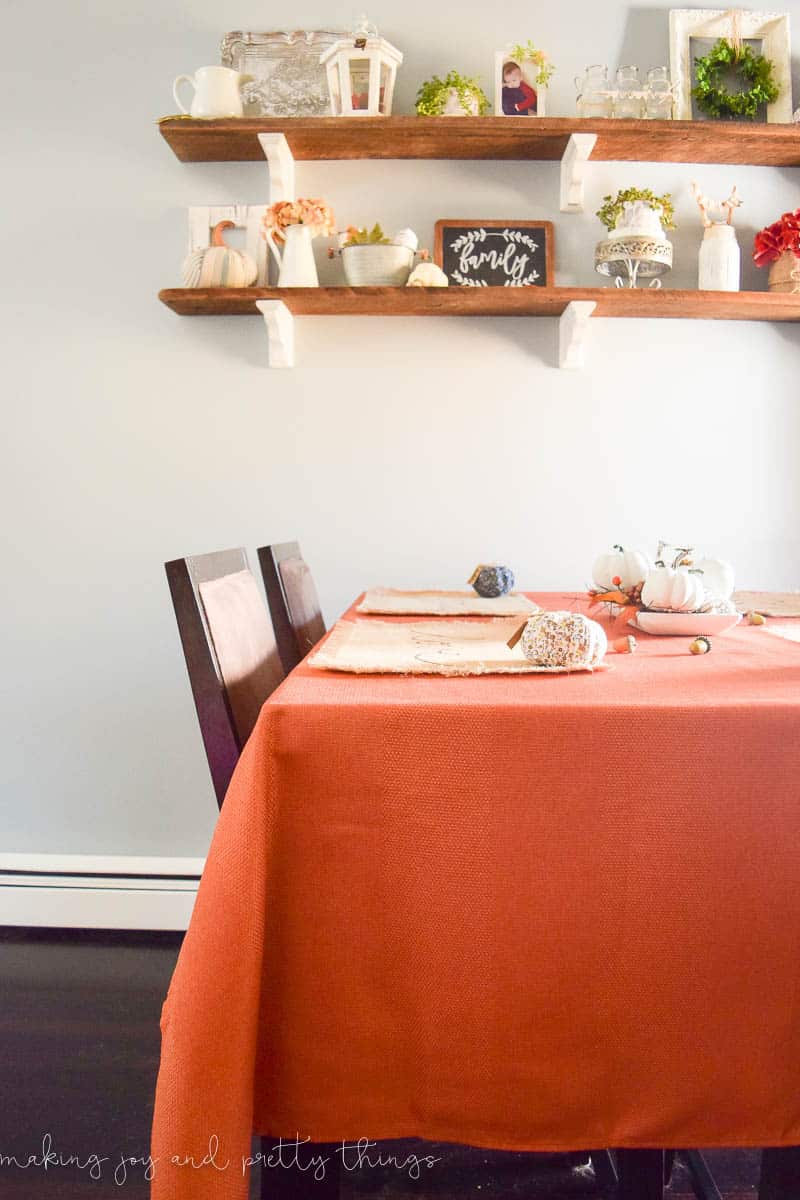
(454, 108)
(297, 267)
(720, 260)
(638, 219)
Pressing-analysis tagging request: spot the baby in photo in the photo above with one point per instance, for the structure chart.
(519, 98)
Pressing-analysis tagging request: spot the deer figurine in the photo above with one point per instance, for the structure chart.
(710, 208)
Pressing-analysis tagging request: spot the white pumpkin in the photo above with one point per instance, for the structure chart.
(630, 566)
(219, 265)
(718, 577)
(427, 274)
(407, 238)
(673, 590)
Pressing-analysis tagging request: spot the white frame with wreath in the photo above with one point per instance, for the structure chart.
(769, 28)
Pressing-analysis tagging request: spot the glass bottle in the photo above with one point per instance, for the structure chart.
(628, 102)
(658, 95)
(594, 96)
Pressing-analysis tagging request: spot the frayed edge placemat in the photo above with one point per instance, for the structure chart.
(397, 602)
(769, 604)
(427, 648)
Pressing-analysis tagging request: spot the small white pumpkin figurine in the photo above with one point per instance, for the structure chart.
(427, 274)
(670, 589)
(629, 566)
(718, 577)
(219, 265)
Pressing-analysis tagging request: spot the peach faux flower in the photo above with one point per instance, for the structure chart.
(313, 212)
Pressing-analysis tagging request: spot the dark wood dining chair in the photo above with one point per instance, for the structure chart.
(293, 601)
(230, 651)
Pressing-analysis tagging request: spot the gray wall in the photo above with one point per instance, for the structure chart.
(398, 452)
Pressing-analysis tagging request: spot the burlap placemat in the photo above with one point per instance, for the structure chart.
(426, 648)
(397, 602)
(770, 604)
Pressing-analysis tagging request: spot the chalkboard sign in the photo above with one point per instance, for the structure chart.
(495, 253)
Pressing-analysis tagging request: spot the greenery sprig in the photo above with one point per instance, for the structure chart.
(527, 52)
(613, 206)
(432, 96)
(366, 237)
(714, 99)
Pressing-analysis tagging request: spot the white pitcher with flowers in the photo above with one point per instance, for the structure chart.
(289, 229)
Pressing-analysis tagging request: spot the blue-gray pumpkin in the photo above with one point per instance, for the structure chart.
(494, 580)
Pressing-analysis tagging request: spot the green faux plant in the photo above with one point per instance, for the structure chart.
(527, 52)
(714, 99)
(366, 237)
(613, 206)
(432, 96)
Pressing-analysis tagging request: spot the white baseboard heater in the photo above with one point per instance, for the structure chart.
(73, 891)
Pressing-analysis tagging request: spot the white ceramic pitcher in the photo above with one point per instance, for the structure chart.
(216, 92)
(296, 264)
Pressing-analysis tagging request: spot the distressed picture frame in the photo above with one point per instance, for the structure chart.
(770, 29)
(203, 218)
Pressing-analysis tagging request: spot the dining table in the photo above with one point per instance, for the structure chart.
(528, 912)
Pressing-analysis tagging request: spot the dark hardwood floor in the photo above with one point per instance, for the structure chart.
(79, 1045)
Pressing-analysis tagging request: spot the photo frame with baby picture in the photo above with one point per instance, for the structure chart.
(518, 90)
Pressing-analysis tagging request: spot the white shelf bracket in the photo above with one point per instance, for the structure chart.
(573, 327)
(573, 167)
(281, 166)
(280, 332)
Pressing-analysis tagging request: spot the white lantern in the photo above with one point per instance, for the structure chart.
(361, 73)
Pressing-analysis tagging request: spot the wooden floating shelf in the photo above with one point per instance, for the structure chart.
(328, 138)
(486, 302)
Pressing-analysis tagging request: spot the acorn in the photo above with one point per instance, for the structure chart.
(625, 645)
(756, 618)
(700, 645)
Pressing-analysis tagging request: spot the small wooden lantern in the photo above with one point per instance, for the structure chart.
(361, 73)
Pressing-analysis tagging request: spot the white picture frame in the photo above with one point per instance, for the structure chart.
(248, 217)
(529, 71)
(770, 28)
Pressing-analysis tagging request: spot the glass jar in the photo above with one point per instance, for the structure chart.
(594, 95)
(658, 95)
(629, 102)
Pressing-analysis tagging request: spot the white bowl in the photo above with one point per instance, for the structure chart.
(684, 624)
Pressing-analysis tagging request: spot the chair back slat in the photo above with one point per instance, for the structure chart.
(293, 601)
(244, 645)
(230, 651)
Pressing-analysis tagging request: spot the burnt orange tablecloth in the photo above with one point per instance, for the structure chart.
(541, 912)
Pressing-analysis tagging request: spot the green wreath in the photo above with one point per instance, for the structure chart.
(715, 100)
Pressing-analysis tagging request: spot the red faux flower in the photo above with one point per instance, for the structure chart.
(771, 242)
(769, 245)
(791, 231)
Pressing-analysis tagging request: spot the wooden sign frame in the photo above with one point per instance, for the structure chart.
(545, 228)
